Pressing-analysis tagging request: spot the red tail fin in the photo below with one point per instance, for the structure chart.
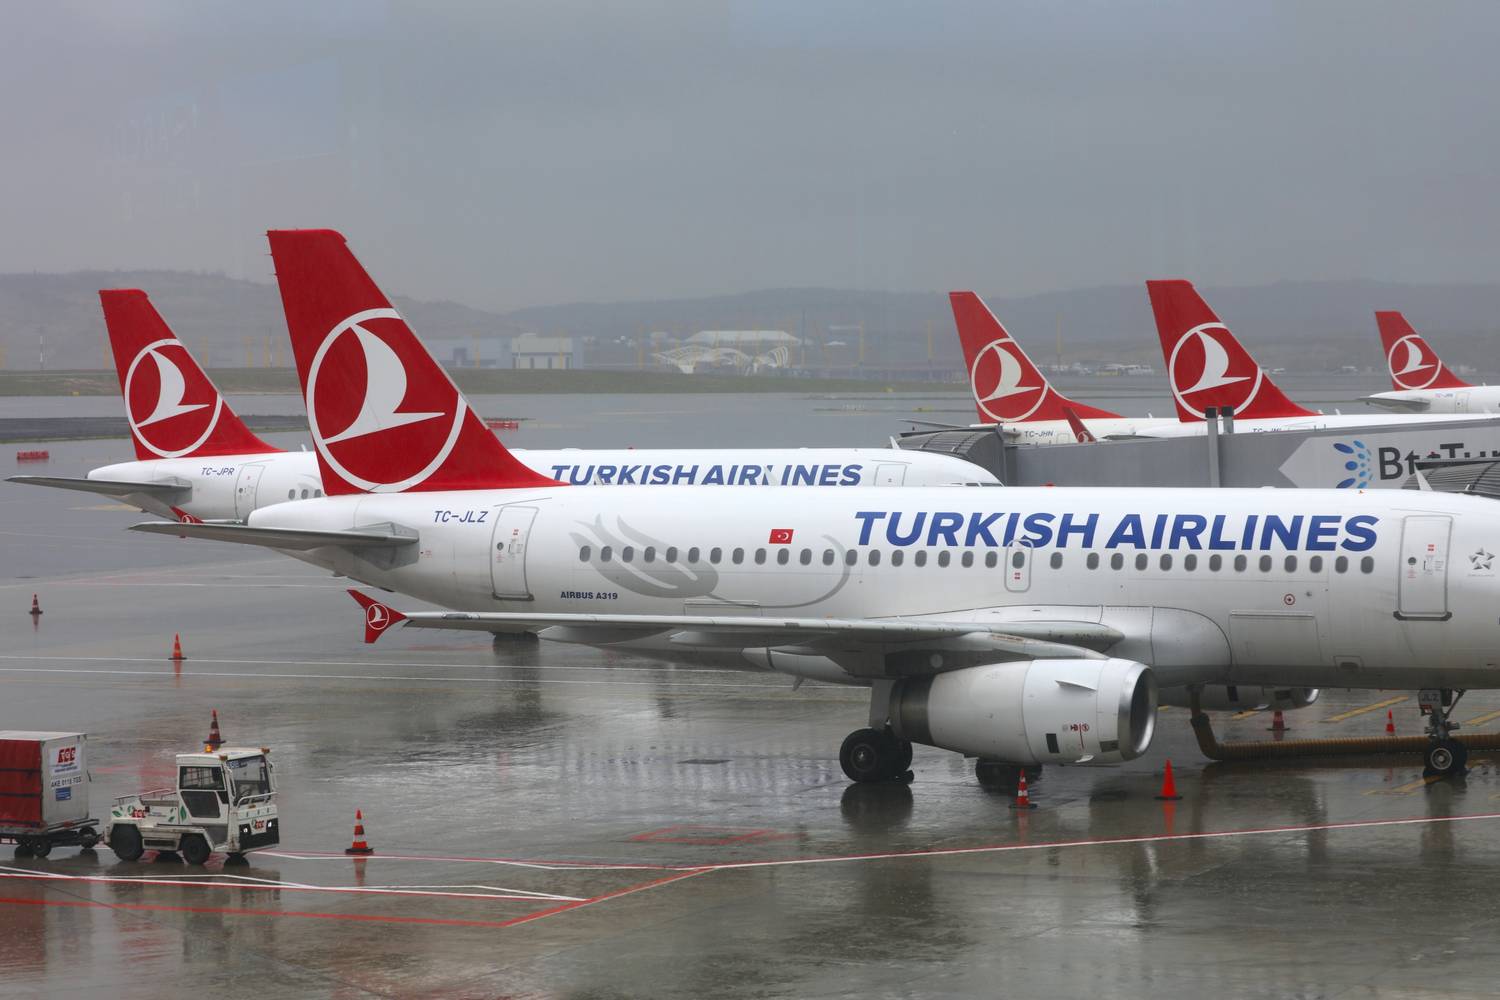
(1007, 387)
(384, 415)
(1206, 364)
(1411, 362)
(173, 408)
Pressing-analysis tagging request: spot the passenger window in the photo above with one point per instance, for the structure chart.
(583, 554)
(1341, 564)
(806, 557)
(291, 494)
(874, 557)
(760, 557)
(1367, 564)
(1265, 564)
(627, 554)
(317, 493)
(827, 557)
(991, 560)
(1116, 561)
(897, 557)
(1142, 561)
(1166, 561)
(716, 555)
(920, 558)
(693, 554)
(967, 559)
(604, 554)
(1092, 562)
(944, 557)
(851, 557)
(1240, 562)
(737, 556)
(783, 556)
(1215, 563)
(1315, 564)
(304, 493)
(1056, 560)
(649, 554)
(671, 555)
(1190, 562)
(1291, 564)
(1017, 559)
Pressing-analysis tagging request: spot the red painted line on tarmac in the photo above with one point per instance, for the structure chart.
(938, 852)
(288, 887)
(565, 907)
(295, 855)
(375, 918)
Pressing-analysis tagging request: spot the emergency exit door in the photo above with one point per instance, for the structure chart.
(245, 488)
(508, 552)
(1423, 588)
(1018, 568)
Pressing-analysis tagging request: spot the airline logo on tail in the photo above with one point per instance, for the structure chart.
(389, 441)
(1203, 374)
(1207, 365)
(1412, 363)
(171, 405)
(1007, 387)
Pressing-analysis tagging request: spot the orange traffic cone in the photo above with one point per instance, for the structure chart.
(177, 648)
(1278, 723)
(1023, 795)
(36, 608)
(215, 738)
(1168, 791)
(358, 845)
(1390, 723)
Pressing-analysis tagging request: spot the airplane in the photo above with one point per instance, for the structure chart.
(1421, 383)
(1013, 394)
(1023, 626)
(1209, 367)
(196, 459)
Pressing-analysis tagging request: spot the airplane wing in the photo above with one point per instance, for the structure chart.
(167, 490)
(1011, 640)
(299, 539)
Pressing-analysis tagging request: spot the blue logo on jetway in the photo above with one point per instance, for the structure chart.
(1358, 465)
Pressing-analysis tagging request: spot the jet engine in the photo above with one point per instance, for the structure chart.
(1238, 698)
(1076, 711)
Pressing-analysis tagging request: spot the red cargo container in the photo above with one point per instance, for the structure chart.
(44, 790)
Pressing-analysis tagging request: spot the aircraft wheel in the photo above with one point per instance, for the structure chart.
(125, 841)
(1445, 757)
(195, 849)
(868, 755)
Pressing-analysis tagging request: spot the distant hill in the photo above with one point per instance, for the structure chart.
(1310, 325)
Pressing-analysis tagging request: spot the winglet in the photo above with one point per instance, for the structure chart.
(173, 407)
(1007, 387)
(1410, 360)
(378, 617)
(1081, 433)
(1206, 364)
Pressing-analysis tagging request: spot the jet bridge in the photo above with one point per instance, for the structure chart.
(1378, 457)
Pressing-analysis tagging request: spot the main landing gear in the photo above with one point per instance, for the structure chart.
(876, 755)
(1002, 776)
(1444, 755)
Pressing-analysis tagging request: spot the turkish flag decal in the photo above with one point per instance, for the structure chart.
(781, 536)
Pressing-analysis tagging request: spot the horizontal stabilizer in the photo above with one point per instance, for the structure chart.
(168, 490)
(299, 539)
(1399, 404)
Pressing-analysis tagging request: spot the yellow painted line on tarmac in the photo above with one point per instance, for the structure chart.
(1246, 713)
(1481, 720)
(1368, 708)
(1408, 788)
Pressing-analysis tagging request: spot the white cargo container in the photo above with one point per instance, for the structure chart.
(44, 791)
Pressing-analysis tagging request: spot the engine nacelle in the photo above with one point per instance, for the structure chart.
(1239, 698)
(1032, 711)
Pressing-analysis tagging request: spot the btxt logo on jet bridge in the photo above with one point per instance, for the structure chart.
(1203, 373)
(1362, 466)
(171, 405)
(384, 435)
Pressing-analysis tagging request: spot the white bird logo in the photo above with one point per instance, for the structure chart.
(1008, 377)
(1415, 358)
(385, 388)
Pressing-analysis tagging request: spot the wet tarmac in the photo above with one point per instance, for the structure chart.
(553, 821)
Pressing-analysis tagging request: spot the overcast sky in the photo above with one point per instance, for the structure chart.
(512, 155)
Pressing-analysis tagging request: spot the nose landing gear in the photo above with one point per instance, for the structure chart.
(1445, 756)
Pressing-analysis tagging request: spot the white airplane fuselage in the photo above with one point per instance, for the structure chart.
(1307, 587)
(1469, 399)
(1055, 432)
(229, 487)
